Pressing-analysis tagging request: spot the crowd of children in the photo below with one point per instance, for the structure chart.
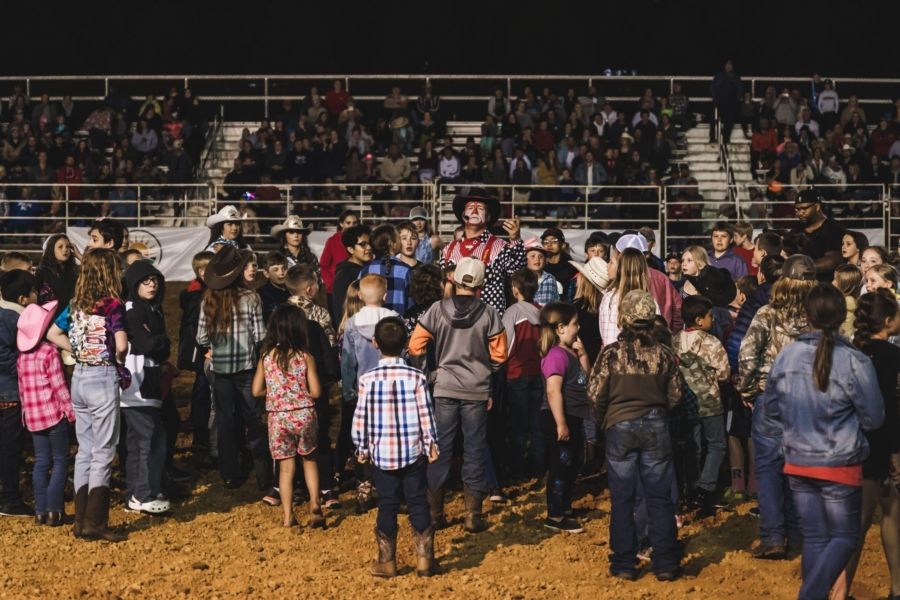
(692, 383)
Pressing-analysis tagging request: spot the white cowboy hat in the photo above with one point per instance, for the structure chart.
(596, 270)
(292, 223)
(227, 214)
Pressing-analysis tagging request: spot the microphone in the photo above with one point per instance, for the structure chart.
(466, 218)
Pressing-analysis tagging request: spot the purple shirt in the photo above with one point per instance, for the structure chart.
(731, 262)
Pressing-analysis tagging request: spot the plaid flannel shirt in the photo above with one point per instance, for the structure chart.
(42, 388)
(236, 350)
(398, 275)
(393, 424)
(547, 291)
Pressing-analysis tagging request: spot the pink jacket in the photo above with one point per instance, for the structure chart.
(667, 297)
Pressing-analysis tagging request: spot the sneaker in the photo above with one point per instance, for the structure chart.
(754, 512)
(670, 575)
(272, 497)
(498, 497)
(330, 500)
(564, 524)
(16, 509)
(644, 554)
(151, 507)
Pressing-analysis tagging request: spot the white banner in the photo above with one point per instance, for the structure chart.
(170, 249)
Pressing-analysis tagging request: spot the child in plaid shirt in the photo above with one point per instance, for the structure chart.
(46, 410)
(393, 428)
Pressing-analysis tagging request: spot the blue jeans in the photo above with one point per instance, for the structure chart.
(471, 417)
(95, 399)
(640, 450)
(525, 395)
(710, 432)
(777, 515)
(830, 521)
(397, 485)
(51, 454)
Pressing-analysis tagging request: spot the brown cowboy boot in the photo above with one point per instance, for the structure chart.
(81, 498)
(475, 522)
(96, 518)
(426, 566)
(386, 565)
(436, 507)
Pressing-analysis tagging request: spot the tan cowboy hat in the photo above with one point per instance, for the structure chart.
(228, 214)
(226, 266)
(399, 122)
(292, 223)
(596, 270)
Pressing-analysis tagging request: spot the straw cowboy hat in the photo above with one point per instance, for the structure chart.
(228, 214)
(292, 223)
(596, 270)
(33, 324)
(226, 266)
(477, 195)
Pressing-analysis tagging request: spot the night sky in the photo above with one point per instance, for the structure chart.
(299, 36)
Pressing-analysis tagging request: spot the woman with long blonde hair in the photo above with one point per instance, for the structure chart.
(95, 322)
(630, 274)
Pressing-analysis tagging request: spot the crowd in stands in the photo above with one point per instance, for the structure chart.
(88, 146)
(566, 140)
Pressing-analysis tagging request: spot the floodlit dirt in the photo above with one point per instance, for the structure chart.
(224, 544)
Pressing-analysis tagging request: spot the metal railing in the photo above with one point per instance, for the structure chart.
(263, 89)
(676, 213)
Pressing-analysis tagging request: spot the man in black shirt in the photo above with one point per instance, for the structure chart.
(822, 234)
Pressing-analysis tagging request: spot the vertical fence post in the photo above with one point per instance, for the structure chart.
(587, 209)
(139, 205)
(266, 96)
(67, 206)
(886, 214)
(661, 221)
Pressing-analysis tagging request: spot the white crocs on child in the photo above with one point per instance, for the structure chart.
(151, 507)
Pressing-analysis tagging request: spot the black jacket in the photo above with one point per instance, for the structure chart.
(190, 356)
(147, 326)
(345, 274)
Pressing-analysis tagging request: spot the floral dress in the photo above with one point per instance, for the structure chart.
(293, 428)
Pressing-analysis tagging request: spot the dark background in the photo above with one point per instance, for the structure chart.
(300, 37)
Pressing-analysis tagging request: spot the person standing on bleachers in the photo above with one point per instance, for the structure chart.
(726, 94)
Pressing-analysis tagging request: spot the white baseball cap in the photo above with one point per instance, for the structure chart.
(633, 240)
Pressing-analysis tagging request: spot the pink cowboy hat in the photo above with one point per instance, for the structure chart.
(33, 324)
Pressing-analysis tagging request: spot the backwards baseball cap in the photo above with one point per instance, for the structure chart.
(469, 273)
(799, 267)
(632, 240)
(418, 212)
(553, 232)
(637, 307)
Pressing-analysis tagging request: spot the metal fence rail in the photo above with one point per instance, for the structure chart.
(266, 90)
(677, 213)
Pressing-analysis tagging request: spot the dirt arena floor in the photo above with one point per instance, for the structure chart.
(224, 544)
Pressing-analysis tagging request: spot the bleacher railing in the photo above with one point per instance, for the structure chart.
(266, 91)
(678, 213)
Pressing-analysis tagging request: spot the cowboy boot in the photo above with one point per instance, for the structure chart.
(81, 497)
(96, 518)
(426, 566)
(475, 522)
(386, 565)
(436, 507)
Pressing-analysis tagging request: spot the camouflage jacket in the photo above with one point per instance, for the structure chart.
(769, 332)
(703, 364)
(630, 379)
(316, 313)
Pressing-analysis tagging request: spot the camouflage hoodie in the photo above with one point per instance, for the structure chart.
(703, 364)
(769, 332)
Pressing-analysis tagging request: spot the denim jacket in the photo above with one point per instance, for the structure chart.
(823, 429)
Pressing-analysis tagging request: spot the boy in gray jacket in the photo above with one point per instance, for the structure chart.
(470, 345)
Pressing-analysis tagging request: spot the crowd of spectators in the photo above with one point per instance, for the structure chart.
(572, 141)
(815, 139)
(55, 153)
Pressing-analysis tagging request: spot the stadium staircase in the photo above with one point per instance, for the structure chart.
(704, 160)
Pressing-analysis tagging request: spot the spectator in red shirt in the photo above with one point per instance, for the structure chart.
(336, 99)
(544, 140)
(881, 139)
(335, 252)
(763, 143)
(70, 174)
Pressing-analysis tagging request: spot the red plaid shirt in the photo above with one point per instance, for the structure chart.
(42, 388)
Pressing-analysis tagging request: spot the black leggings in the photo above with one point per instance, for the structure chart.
(563, 460)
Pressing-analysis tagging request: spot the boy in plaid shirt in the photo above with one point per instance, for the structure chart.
(393, 428)
(386, 244)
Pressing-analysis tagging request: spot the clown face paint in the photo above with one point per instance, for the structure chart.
(475, 213)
